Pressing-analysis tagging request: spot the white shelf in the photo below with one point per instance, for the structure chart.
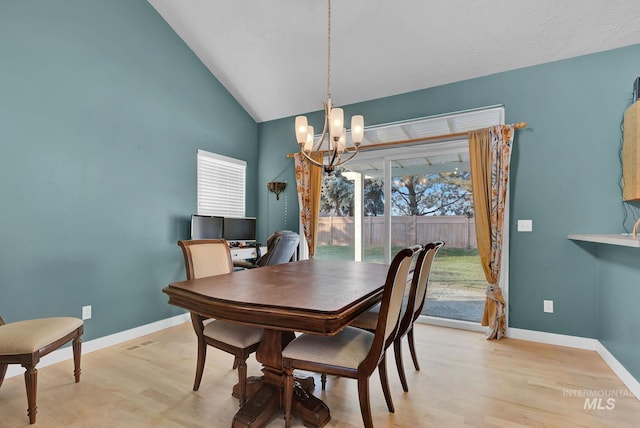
(612, 239)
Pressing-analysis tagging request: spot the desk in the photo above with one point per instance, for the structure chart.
(245, 253)
(313, 296)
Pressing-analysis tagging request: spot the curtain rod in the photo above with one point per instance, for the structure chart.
(519, 125)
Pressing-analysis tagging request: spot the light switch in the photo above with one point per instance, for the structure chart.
(525, 225)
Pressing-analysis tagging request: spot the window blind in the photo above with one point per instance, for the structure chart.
(221, 185)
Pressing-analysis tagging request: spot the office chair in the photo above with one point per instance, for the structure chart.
(281, 248)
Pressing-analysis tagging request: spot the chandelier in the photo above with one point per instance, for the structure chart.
(335, 151)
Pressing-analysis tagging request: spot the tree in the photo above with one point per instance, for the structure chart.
(373, 197)
(337, 195)
(447, 193)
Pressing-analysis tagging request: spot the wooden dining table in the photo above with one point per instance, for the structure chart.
(311, 296)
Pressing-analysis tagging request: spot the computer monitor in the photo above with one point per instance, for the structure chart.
(206, 227)
(239, 229)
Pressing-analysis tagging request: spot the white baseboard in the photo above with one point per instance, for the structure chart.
(553, 339)
(581, 343)
(624, 375)
(102, 342)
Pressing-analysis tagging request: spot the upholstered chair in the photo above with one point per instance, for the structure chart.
(26, 342)
(353, 352)
(209, 257)
(412, 309)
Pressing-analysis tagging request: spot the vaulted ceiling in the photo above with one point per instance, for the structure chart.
(272, 54)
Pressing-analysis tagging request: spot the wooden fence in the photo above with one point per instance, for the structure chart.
(456, 231)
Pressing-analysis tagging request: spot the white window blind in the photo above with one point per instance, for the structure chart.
(221, 185)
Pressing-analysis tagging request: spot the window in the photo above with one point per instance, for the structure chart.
(221, 185)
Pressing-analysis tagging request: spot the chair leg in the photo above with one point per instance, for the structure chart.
(288, 397)
(382, 371)
(77, 354)
(397, 349)
(412, 348)
(323, 381)
(242, 379)
(3, 371)
(365, 405)
(31, 383)
(202, 356)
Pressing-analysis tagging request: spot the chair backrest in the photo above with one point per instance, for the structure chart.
(281, 246)
(391, 305)
(206, 257)
(419, 290)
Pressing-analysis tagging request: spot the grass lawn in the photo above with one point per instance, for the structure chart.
(456, 282)
(460, 267)
(452, 267)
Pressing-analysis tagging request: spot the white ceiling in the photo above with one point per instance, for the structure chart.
(272, 54)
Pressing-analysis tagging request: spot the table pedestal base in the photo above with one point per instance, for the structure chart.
(253, 385)
(313, 412)
(268, 399)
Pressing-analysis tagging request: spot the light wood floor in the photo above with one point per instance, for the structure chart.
(465, 381)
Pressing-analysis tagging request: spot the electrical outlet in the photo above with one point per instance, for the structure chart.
(525, 225)
(86, 312)
(548, 306)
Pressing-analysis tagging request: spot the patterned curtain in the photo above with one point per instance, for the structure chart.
(490, 154)
(309, 182)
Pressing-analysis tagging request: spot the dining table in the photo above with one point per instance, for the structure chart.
(309, 296)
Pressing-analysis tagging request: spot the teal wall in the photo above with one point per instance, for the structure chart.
(565, 177)
(618, 313)
(102, 110)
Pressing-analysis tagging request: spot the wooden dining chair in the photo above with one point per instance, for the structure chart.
(415, 304)
(412, 308)
(26, 342)
(209, 257)
(353, 352)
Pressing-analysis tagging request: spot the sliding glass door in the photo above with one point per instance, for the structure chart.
(413, 186)
(431, 199)
(380, 204)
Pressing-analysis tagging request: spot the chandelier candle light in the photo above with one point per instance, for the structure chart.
(336, 152)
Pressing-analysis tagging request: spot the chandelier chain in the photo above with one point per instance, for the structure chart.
(329, 52)
(337, 152)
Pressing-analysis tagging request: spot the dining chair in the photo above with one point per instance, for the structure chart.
(415, 304)
(353, 352)
(209, 257)
(368, 321)
(26, 342)
(411, 311)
